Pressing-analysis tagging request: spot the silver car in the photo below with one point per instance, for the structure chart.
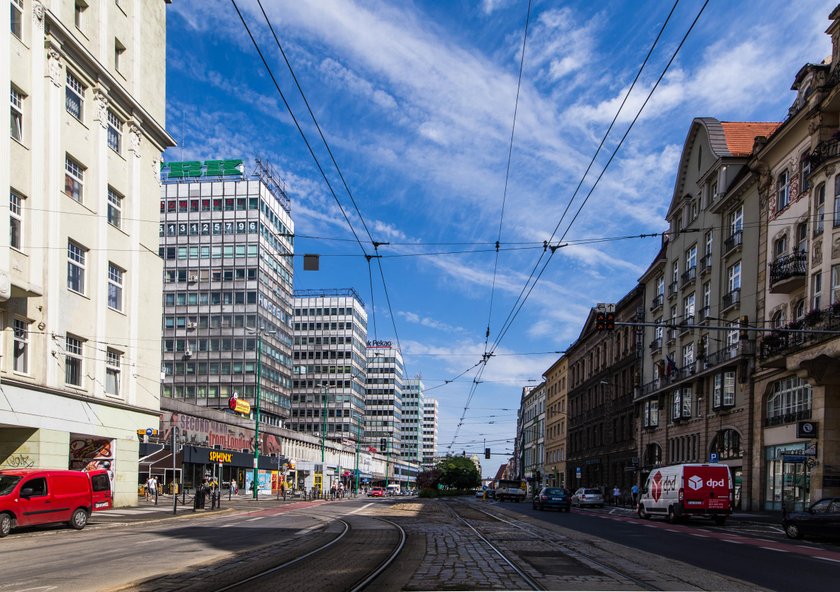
(588, 497)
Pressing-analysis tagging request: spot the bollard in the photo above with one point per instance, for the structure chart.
(183, 496)
(156, 496)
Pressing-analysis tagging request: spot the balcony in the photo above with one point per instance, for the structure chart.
(781, 419)
(788, 272)
(735, 241)
(689, 275)
(673, 289)
(731, 299)
(776, 345)
(657, 302)
(685, 326)
(706, 263)
(655, 345)
(823, 152)
(703, 314)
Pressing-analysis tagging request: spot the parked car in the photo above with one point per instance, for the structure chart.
(552, 497)
(588, 497)
(822, 519)
(30, 497)
(376, 492)
(479, 492)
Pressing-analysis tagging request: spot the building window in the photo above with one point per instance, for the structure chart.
(115, 287)
(780, 246)
(651, 413)
(734, 277)
(119, 55)
(835, 284)
(804, 172)
(16, 118)
(15, 219)
(790, 399)
(75, 267)
(114, 132)
(691, 258)
(802, 237)
(724, 390)
(816, 291)
(688, 309)
(114, 207)
(73, 361)
(74, 96)
(74, 179)
(112, 372)
(17, 18)
(21, 346)
(688, 355)
(727, 445)
(782, 190)
(819, 209)
(836, 201)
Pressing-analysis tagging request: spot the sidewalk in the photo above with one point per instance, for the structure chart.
(146, 510)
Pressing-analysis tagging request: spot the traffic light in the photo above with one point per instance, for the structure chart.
(610, 321)
(744, 323)
(487, 453)
(600, 320)
(383, 444)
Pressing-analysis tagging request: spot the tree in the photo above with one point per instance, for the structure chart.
(458, 472)
(428, 479)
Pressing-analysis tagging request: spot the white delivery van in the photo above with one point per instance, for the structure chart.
(681, 491)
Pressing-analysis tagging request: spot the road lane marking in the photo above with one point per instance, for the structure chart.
(253, 519)
(773, 549)
(829, 559)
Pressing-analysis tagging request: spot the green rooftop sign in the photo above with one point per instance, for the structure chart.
(197, 168)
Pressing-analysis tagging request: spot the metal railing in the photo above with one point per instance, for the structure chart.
(732, 298)
(689, 275)
(788, 266)
(736, 239)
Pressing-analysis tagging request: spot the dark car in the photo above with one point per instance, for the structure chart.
(552, 497)
(822, 519)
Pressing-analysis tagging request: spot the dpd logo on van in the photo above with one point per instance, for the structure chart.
(656, 486)
(695, 482)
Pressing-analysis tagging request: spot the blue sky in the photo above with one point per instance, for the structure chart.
(416, 100)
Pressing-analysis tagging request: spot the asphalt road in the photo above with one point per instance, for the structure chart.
(753, 553)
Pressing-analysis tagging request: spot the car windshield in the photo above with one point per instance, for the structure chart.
(592, 491)
(7, 483)
(553, 491)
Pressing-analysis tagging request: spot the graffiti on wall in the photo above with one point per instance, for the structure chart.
(18, 461)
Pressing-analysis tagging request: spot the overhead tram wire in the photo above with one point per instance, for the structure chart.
(298, 126)
(520, 301)
(507, 175)
(612, 156)
(375, 244)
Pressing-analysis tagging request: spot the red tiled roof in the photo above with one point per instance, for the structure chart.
(740, 135)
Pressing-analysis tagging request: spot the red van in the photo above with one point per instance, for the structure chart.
(29, 497)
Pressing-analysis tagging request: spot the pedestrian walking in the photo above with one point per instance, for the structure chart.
(616, 495)
(234, 487)
(635, 492)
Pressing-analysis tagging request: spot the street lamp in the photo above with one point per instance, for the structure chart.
(259, 333)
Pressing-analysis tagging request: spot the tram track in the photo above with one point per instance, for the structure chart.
(344, 553)
(530, 549)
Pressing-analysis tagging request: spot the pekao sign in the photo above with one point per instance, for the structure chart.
(378, 343)
(207, 168)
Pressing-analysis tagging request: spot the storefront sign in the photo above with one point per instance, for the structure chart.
(208, 168)
(806, 429)
(378, 343)
(238, 405)
(220, 457)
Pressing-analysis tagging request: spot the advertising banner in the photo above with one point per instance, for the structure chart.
(264, 482)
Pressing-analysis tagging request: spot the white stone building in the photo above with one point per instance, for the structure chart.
(80, 368)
